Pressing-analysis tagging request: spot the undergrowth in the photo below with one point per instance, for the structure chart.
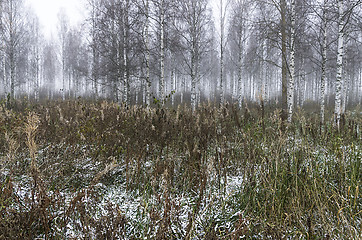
(83, 170)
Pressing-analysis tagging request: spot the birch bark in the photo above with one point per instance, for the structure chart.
(95, 56)
(292, 67)
(221, 53)
(284, 113)
(147, 45)
(324, 62)
(338, 85)
(162, 52)
(125, 54)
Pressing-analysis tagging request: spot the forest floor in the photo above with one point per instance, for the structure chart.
(97, 170)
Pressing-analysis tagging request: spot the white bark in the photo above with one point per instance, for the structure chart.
(63, 21)
(283, 13)
(193, 81)
(12, 45)
(125, 54)
(195, 53)
(147, 43)
(346, 84)
(340, 53)
(162, 52)
(263, 77)
(324, 63)
(94, 51)
(292, 67)
(37, 62)
(240, 57)
(222, 21)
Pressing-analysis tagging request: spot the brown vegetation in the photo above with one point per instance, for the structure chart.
(59, 158)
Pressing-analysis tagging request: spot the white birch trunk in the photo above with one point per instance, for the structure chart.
(292, 67)
(94, 52)
(37, 70)
(240, 70)
(162, 53)
(324, 63)
(125, 55)
(194, 61)
(221, 53)
(264, 72)
(63, 70)
(147, 43)
(193, 83)
(338, 85)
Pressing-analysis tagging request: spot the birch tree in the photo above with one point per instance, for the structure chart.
(13, 33)
(276, 27)
(94, 5)
(340, 52)
(239, 35)
(192, 25)
(35, 55)
(146, 39)
(292, 65)
(344, 15)
(49, 64)
(283, 22)
(324, 61)
(63, 31)
(223, 14)
(161, 10)
(126, 80)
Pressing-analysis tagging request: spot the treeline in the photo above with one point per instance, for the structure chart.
(186, 50)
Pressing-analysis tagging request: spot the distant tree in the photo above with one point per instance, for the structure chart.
(76, 59)
(49, 65)
(223, 8)
(193, 25)
(13, 29)
(33, 46)
(239, 35)
(63, 29)
(94, 44)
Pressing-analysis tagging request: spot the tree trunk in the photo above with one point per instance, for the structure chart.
(240, 68)
(148, 80)
(193, 82)
(292, 67)
(338, 86)
(162, 53)
(94, 53)
(221, 53)
(284, 60)
(125, 55)
(324, 63)
(172, 87)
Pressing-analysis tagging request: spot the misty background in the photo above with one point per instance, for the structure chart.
(185, 51)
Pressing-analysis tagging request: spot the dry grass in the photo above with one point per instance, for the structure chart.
(59, 161)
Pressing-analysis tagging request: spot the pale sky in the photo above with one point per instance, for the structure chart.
(47, 11)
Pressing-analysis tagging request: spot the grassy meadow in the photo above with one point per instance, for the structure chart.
(97, 170)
